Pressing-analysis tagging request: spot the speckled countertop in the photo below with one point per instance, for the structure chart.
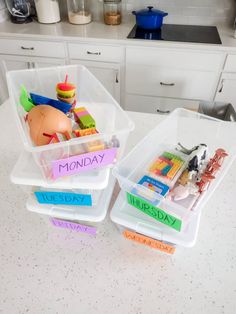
(44, 269)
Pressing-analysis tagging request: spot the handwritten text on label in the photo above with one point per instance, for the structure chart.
(73, 226)
(155, 244)
(154, 212)
(63, 198)
(83, 162)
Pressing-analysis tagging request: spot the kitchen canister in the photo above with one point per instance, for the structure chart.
(47, 11)
(78, 12)
(112, 12)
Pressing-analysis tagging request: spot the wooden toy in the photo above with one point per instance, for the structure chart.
(85, 132)
(46, 119)
(167, 165)
(83, 118)
(95, 146)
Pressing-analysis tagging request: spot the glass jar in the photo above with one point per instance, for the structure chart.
(112, 12)
(47, 11)
(78, 12)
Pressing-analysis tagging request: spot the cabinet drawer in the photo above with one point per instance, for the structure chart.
(230, 64)
(96, 52)
(179, 59)
(158, 104)
(166, 82)
(32, 48)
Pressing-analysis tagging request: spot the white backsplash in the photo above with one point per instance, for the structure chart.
(2, 4)
(204, 12)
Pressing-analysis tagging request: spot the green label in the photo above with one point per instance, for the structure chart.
(154, 212)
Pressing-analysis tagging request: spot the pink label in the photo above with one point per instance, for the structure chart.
(83, 162)
(73, 226)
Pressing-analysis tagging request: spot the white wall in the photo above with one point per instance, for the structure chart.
(2, 4)
(192, 11)
(3, 11)
(206, 12)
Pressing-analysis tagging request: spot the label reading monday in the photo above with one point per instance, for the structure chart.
(63, 198)
(154, 212)
(83, 162)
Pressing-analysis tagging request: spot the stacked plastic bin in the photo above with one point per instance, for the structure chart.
(70, 180)
(150, 208)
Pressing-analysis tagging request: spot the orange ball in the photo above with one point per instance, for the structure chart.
(49, 120)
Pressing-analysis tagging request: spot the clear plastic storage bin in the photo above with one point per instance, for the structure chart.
(140, 228)
(83, 219)
(190, 129)
(82, 190)
(73, 156)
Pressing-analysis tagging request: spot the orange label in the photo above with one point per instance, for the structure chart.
(155, 244)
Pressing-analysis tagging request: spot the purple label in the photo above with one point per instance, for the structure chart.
(83, 162)
(73, 226)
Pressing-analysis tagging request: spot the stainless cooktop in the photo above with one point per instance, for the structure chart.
(181, 33)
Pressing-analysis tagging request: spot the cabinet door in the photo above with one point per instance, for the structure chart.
(158, 105)
(226, 89)
(9, 63)
(107, 73)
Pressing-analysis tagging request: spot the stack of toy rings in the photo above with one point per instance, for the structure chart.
(66, 92)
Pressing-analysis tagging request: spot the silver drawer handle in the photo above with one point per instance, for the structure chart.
(94, 53)
(27, 48)
(163, 111)
(167, 84)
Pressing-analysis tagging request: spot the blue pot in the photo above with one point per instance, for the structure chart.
(149, 19)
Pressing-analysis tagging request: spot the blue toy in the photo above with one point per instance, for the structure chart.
(42, 100)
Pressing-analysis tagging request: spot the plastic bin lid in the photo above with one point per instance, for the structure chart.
(76, 213)
(127, 216)
(26, 172)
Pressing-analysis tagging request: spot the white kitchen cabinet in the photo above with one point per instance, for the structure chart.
(107, 73)
(32, 48)
(158, 105)
(104, 61)
(20, 54)
(226, 91)
(171, 73)
(98, 52)
(11, 62)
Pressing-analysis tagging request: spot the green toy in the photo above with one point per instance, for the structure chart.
(25, 101)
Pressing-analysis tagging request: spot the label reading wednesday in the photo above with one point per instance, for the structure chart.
(83, 162)
(154, 212)
(153, 243)
(63, 198)
(73, 226)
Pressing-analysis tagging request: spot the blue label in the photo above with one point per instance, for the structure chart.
(63, 198)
